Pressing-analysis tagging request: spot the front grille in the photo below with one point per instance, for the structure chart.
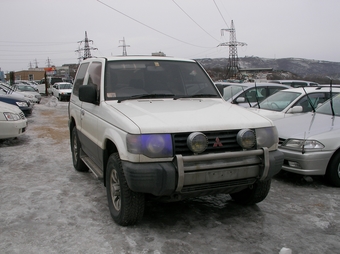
(281, 140)
(22, 115)
(219, 185)
(227, 139)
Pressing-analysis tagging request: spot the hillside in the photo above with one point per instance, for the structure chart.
(297, 68)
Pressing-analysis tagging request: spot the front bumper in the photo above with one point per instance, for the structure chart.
(12, 129)
(309, 163)
(203, 173)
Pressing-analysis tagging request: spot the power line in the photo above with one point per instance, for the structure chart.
(149, 26)
(221, 14)
(194, 21)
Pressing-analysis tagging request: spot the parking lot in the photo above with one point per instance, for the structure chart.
(48, 207)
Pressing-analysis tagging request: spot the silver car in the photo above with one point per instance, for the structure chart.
(311, 142)
(294, 101)
(249, 94)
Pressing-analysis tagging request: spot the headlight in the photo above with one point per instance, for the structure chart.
(150, 145)
(11, 116)
(22, 104)
(300, 144)
(267, 137)
(197, 142)
(246, 138)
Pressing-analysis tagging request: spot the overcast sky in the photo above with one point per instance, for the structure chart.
(37, 30)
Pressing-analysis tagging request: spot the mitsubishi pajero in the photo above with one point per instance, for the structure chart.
(152, 127)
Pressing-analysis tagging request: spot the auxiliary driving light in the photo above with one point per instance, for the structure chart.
(246, 138)
(197, 142)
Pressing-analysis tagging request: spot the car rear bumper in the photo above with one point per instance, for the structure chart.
(203, 173)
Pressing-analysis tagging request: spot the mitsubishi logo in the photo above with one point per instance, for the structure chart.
(217, 143)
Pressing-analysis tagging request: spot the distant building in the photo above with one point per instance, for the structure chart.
(2, 76)
(66, 71)
(160, 53)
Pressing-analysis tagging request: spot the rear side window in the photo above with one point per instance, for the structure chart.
(79, 80)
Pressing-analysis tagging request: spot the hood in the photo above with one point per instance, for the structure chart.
(186, 115)
(65, 90)
(273, 115)
(307, 125)
(26, 94)
(13, 97)
(5, 107)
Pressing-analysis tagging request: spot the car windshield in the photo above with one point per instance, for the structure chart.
(26, 88)
(278, 101)
(156, 79)
(230, 91)
(333, 103)
(65, 86)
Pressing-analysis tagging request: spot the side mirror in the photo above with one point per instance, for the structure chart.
(296, 109)
(88, 93)
(240, 100)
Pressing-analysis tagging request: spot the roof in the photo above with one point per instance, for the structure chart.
(310, 89)
(139, 57)
(253, 84)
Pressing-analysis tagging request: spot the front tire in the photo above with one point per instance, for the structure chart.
(251, 196)
(126, 207)
(333, 170)
(78, 164)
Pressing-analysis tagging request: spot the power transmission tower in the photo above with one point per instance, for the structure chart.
(86, 49)
(124, 46)
(36, 63)
(233, 64)
(48, 61)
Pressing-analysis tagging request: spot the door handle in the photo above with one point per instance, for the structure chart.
(82, 112)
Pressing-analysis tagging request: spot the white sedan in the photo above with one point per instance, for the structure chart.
(29, 92)
(62, 90)
(294, 101)
(13, 122)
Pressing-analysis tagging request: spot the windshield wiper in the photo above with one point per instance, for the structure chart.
(200, 95)
(309, 100)
(331, 95)
(146, 96)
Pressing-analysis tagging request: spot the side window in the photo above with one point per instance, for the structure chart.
(95, 74)
(299, 84)
(79, 80)
(254, 94)
(273, 90)
(314, 99)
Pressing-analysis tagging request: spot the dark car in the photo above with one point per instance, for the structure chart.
(25, 105)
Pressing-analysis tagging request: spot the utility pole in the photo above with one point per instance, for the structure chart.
(124, 46)
(87, 49)
(233, 64)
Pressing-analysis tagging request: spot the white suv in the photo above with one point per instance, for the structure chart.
(157, 128)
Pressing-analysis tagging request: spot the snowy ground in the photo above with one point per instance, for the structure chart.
(48, 207)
